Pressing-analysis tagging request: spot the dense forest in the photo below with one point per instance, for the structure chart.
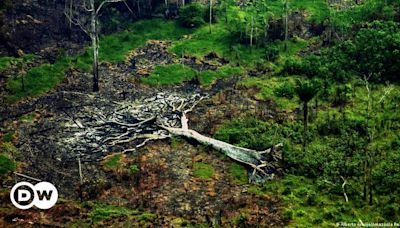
(248, 113)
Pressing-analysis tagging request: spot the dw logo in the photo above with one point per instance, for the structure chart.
(43, 195)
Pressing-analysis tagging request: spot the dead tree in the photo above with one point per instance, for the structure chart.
(133, 124)
(85, 14)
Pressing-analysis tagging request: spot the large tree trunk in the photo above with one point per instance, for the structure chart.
(259, 160)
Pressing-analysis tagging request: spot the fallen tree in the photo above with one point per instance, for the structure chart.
(132, 124)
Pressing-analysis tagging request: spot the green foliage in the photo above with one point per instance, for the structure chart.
(8, 137)
(286, 89)
(306, 90)
(176, 74)
(6, 164)
(378, 50)
(115, 47)
(113, 162)
(240, 220)
(219, 41)
(38, 80)
(307, 206)
(208, 77)
(238, 173)
(203, 170)
(248, 132)
(146, 217)
(277, 89)
(169, 75)
(28, 118)
(102, 212)
(271, 53)
(5, 62)
(374, 53)
(192, 15)
(134, 169)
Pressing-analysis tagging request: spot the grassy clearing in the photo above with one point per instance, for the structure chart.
(176, 74)
(169, 75)
(207, 78)
(203, 170)
(38, 80)
(115, 47)
(279, 89)
(201, 43)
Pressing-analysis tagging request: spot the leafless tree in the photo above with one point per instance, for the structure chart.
(85, 14)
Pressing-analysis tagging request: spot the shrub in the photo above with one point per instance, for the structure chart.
(285, 90)
(271, 53)
(192, 15)
(6, 164)
(292, 67)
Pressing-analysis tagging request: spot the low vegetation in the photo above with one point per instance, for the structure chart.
(203, 170)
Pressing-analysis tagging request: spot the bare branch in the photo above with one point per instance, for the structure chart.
(104, 2)
(76, 22)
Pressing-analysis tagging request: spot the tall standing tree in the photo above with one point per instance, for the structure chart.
(306, 91)
(85, 14)
(210, 16)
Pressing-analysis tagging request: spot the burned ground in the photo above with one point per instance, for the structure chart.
(164, 182)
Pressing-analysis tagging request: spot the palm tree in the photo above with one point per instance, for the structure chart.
(306, 91)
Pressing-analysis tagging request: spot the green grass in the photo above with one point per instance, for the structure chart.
(115, 47)
(169, 75)
(113, 162)
(269, 89)
(201, 43)
(176, 74)
(6, 61)
(102, 212)
(307, 206)
(208, 77)
(203, 170)
(238, 173)
(38, 80)
(134, 169)
(6, 164)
